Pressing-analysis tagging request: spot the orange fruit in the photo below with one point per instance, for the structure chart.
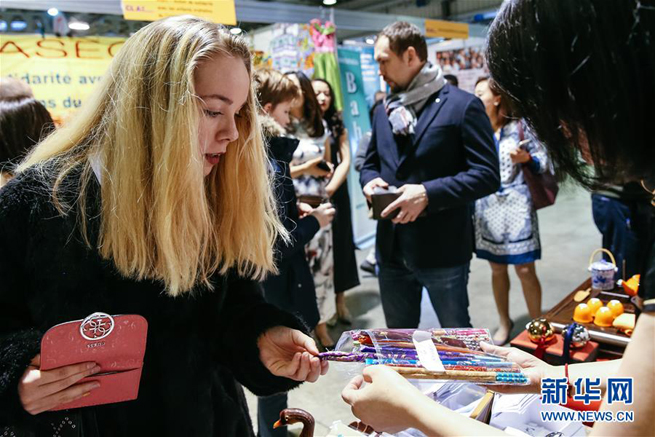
(594, 304)
(604, 317)
(582, 313)
(616, 307)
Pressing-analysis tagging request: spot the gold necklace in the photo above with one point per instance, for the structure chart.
(652, 192)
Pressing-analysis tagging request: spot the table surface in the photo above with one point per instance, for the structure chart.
(562, 314)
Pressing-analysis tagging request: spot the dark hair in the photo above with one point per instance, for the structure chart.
(313, 119)
(403, 35)
(452, 79)
(274, 87)
(331, 116)
(24, 121)
(581, 71)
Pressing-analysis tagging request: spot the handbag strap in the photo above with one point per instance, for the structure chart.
(521, 131)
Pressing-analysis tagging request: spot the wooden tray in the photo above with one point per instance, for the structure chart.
(562, 314)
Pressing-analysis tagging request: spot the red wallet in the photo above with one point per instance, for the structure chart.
(116, 343)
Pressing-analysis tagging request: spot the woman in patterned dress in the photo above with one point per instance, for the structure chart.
(310, 179)
(506, 227)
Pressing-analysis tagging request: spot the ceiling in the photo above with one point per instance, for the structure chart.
(353, 17)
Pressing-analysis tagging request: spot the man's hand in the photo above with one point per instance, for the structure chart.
(412, 202)
(377, 182)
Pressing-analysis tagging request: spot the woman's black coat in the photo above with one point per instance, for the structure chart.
(200, 346)
(293, 287)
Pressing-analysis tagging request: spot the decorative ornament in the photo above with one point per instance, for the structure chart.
(540, 330)
(579, 335)
(97, 326)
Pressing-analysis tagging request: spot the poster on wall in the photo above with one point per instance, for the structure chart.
(355, 117)
(370, 76)
(218, 11)
(291, 48)
(61, 71)
(467, 63)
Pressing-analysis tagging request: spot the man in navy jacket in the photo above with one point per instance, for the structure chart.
(439, 151)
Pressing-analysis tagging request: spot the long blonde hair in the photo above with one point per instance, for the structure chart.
(160, 218)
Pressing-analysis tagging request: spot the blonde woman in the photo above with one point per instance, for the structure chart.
(155, 200)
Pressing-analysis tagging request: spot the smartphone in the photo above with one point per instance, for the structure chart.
(323, 165)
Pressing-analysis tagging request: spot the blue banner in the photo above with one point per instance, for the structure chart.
(355, 117)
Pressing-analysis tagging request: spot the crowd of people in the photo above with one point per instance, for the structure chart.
(462, 59)
(212, 199)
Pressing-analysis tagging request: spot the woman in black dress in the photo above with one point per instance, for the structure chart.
(345, 262)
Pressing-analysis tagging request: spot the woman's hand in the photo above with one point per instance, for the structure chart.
(387, 403)
(533, 368)
(312, 169)
(520, 156)
(291, 354)
(304, 209)
(43, 390)
(324, 213)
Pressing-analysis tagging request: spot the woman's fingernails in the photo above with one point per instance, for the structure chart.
(96, 369)
(90, 365)
(95, 385)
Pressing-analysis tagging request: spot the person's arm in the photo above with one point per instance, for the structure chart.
(538, 157)
(482, 174)
(371, 167)
(638, 363)
(309, 168)
(341, 170)
(360, 156)
(304, 168)
(266, 348)
(436, 420)
(19, 338)
(389, 403)
(536, 369)
(301, 231)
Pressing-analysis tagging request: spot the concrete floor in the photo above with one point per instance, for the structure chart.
(568, 236)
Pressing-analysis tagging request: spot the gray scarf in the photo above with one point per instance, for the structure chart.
(403, 106)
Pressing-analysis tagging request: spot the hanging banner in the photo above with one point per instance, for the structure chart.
(355, 117)
(446, 29)
(60, 71)
(218, 11)
(370, 72)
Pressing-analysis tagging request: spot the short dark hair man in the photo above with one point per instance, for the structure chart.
(452, 79)
(435, 143)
